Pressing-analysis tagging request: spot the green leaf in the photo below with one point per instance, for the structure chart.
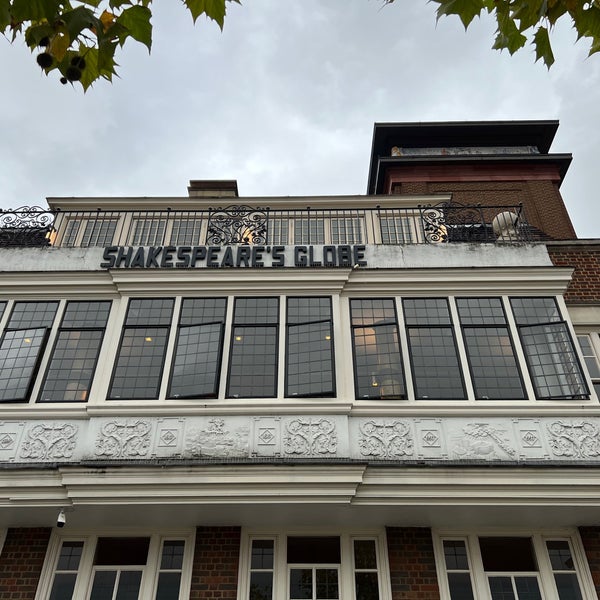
(35, 10)
(106, 59)
(508, 35)
(35, 33)
(78, 19)
(4, 14)
(467, 10)
(213, 9)
(543, 50)
(136, 21)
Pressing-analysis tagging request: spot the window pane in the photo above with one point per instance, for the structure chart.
(460, 586)
(168, 586)
(365, 554)
(261, 586)
(481, 311)
(376, 346)
(114, 551)
(560, 555)
(104, 585)
(300, 584)
(436, 368)
(395, 230)
(309, 347)
(253, 358)
(129, 585)
(63, 586)
(455, 554)
(589, 356)
(86, 315)
(172, 554)
(32, 315)
(528, 588)
(148, 232)
(19, 355)
(2, 307)
(316, 550)
(200, 311)
(139, 364)
(327, 584)
(501, 588)
(70, 555)
(426, 311)
(186, 232)
(309, 231)
(155, 311)
(99, 233)
(72, 366)
(529, 311)
(346, 230)
(507, 554)
(552, 361)
(197, 361)
(262, 554)
(567, 586)
(367, 586)
(493, 364)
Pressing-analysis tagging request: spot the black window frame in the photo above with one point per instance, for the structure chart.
(561, 321)
(126, 327)
(234, 324)
(484, 326)
(288, 325)
(26, 396)
(451, 328)
(353, 327)
(61, 329)
(217, 380)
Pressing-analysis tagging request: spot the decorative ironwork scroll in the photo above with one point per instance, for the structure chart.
(237, 224)
(25, 226)
(455, 222)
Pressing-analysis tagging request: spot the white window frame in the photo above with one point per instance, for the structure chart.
(87, 568)
(346, 568)
(545, 574)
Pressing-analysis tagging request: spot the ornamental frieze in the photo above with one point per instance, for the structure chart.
(502, 440)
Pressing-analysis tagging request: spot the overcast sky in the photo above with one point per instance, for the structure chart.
(284, 101)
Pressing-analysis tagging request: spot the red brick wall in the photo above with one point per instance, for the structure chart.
(216, 562)
(21, 562)
(412, 564)
(537, 190)
(585, 283)
(590, 536)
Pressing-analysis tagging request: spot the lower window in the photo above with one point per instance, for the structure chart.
(314, 567)
(156, 567)
(520, 567)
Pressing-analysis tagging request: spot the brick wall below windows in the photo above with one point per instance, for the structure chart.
(21, 562)
(216, 563)
(412, 564)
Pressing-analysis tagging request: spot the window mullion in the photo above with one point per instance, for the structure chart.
(172, 339)
(462, 351)
(282, 349)
(519, 351)
(404, 351)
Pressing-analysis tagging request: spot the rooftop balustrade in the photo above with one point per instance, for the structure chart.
(443, 223)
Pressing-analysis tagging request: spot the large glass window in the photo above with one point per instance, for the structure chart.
(186, 231)
(436, 368)
(549, 349)
(512, 567)
(197, 359)
(253, 358)
(309, 231)
(346, 230)
(396, 230)
(75, 355)
(140, 359)
(313, 567)
(376, 346)
(22, 347)
(587, 345)
(90, 232)
(309, 356)
(492, 360)
(118, 568)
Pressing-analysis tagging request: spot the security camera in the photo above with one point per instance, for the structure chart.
(61, 519)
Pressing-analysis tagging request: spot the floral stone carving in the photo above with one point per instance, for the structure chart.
(310, 437)
(576, 440)
(385, 440)
(49, 442)
(124, 439)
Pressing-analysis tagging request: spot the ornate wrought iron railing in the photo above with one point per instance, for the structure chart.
(239, 224)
